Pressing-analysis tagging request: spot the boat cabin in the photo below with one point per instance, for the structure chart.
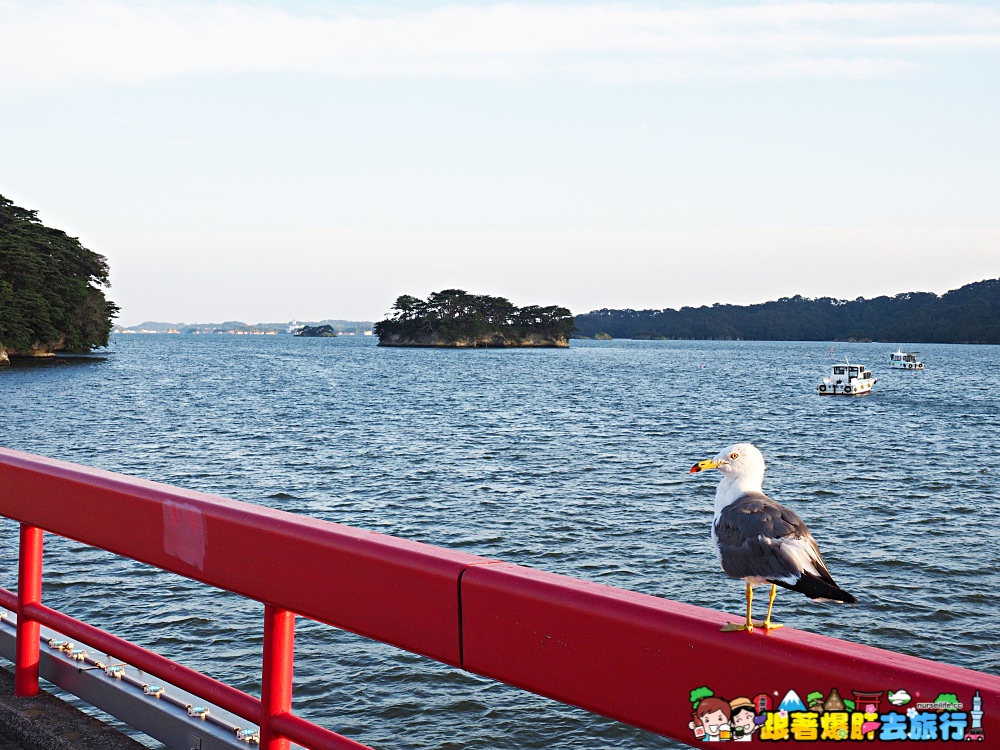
(900, 360)
(847, 379)
(849, 372)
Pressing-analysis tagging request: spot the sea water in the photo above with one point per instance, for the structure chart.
(572, 461)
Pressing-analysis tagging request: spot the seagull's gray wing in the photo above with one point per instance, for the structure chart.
(759, 538)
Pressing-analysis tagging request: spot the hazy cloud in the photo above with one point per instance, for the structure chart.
(117, 42)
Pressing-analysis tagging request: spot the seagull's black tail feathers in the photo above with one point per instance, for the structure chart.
(819, 589)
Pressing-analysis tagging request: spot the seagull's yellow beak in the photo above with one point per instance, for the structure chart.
(702, 465)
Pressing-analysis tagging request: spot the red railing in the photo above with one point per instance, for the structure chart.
(628, 656)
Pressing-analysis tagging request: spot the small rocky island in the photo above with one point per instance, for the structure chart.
(317, 332)
(455, 318)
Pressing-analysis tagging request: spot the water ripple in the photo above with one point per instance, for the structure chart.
(573, 461)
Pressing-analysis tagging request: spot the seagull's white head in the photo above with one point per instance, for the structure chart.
(742, 466)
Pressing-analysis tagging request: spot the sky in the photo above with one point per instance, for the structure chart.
(273, 161)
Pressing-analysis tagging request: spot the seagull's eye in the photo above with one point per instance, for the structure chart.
(734, 456)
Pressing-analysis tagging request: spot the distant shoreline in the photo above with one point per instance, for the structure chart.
(341, 327)
(968, 315)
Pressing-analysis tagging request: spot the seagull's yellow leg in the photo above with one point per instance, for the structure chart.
(748, 625)
(768, 625)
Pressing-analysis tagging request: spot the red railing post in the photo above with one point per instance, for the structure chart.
(29, 591)
(276, 680)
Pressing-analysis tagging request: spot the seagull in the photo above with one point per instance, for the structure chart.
(761, 541)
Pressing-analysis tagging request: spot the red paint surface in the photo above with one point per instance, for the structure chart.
(625, 655)
(309, 735)
(29, 586)
(635, 658)
(276, 682)
(414, 604)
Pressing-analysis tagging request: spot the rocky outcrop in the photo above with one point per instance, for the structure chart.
(495, 341)
(37, 349)
(321, 332)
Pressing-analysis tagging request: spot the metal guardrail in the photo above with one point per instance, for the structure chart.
(642, 660)
(161, 710)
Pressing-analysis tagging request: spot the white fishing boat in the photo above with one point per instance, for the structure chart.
(901, 360)
(847, 379)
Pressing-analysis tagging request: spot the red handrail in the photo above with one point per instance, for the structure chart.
(625, 655)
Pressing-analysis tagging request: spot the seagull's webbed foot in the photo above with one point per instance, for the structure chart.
(748, 626)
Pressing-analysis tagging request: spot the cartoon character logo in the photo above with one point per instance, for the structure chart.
(744, 719)
(712, 716)
(832, 717)
(715, 719)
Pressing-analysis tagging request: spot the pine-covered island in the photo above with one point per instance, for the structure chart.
(455, 318)
(51, 296)
(317, 332)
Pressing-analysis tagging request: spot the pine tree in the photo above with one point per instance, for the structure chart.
(51, 296)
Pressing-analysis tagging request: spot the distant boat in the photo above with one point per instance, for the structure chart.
(847, 379)
(901, 360)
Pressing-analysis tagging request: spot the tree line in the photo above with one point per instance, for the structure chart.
(51, 294)
(455, 316)
(970, 314)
